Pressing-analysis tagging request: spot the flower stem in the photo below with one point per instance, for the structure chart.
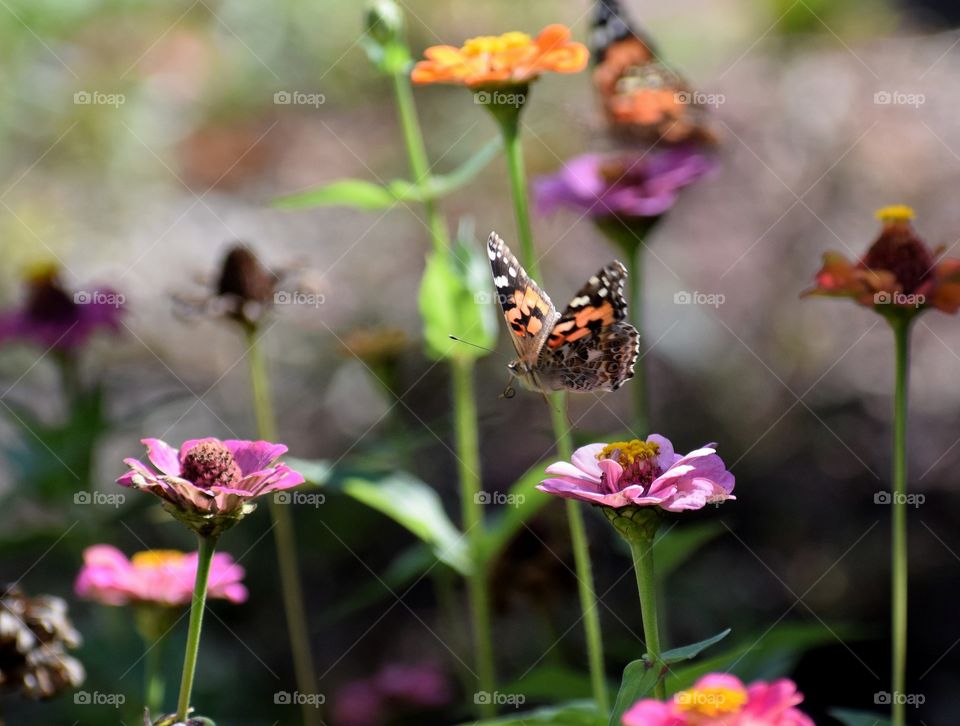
(509, 120)
(638, 386)
(417, 154)
(642, 551)
(468, 458)
(154, 685)
(197, 605)
(465, 416)
(901, 332)
(284, 540)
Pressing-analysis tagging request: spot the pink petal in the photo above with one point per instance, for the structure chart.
(254, 456)
(163, 456)
(585, 459)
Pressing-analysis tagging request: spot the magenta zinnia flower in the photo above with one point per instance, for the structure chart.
(624, 186)
(209, 484)
(719, 699)
(156, 577)
(53, 317)
(641, 473)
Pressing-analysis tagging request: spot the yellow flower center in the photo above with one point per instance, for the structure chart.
(895, 213)
(41, 271)
(710, 702)
(157, 558)
(626, 453)
(492, 44)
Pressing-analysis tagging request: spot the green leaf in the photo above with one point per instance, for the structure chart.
(638, 682)
(454, 300)
(858, 718)
(551, 683)
(416, 506)
(689, 652)
(566, 714)
(355, 193)
(441, 185)
(528, 501)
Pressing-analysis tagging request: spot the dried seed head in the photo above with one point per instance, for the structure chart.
(210, 463)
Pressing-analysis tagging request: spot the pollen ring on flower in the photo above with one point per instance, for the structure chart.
(157, 558)
(895, 213)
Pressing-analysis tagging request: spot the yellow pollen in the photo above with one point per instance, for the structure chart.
(157, 558)
(895, 213)
(496, 43)
(626, 453)
(41, 270)
(710, 702)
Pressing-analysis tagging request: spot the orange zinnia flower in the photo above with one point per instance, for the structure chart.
(898, 273)
(502, 60)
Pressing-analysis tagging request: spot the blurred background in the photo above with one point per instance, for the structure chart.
(828, 110)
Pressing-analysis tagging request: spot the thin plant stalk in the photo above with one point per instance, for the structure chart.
(153, 683)
(467, 437)
(198, 602)
(284, 540)
(642, 552)
(901, 332)
(509, 125)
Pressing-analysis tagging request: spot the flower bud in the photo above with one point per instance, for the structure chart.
(385, 22)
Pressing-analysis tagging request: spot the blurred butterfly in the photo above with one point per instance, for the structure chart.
(590, 347)
(642, 98)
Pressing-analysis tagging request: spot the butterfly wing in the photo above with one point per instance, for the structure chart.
(642, 98)
(591, 346)
(527, 309)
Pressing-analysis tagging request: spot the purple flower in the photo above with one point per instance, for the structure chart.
(394, 688)
(641, 473)
(209, 484)
(626, 186)
(53, 317)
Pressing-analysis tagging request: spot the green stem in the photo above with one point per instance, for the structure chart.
(638, 386)
(417, 154)
(468, 458)
(285, 541)
(642, 551)
(901, 332)
(154, 685)
(197, 605)
(509, 125)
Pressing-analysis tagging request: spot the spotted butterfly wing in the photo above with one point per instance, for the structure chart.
(591, 346)
(643, 99)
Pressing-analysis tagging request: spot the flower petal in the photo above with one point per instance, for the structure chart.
(163, 456)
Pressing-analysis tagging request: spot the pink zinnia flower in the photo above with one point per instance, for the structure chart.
(719, 699)
(156, 577)
(395, 688)
(53, 317)
(641, 473)
(210, 484)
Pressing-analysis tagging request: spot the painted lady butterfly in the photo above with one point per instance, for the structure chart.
(589, 347)
(643, 99)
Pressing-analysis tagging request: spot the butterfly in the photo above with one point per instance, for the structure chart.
(589, 347)
(643, 99)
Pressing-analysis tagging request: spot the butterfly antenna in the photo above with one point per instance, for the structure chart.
(467, 342)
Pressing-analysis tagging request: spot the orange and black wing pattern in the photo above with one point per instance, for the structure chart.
(643, 99)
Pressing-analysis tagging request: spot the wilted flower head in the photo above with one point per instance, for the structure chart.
(53, 317)
(641, 474)
(495, 61)
(604, 185)
(35, 634)
(719, 699)
(899, 274)
(209, 484)
(156, 577)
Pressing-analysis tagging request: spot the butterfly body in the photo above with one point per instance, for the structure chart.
(587, 347)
